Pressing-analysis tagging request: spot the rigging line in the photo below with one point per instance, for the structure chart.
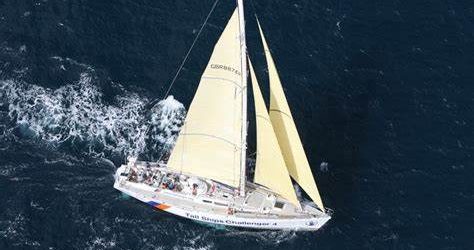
(254, 9)
(187, 54)
(191, 48)
(152, 103)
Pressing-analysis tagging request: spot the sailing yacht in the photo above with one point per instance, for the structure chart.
(204, 178)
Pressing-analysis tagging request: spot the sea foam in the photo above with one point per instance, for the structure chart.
(77, 115)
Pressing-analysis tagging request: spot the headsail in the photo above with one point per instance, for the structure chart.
(209, 144)
(286, 132)
(270, 169)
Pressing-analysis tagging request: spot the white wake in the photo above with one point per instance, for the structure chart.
(76, 114)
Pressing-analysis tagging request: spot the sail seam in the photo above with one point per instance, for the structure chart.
(263, 117)
(212, 136)
(223, 79)
(277, 110)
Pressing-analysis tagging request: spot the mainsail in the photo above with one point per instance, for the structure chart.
(286, 132)
(270, 170)
(209, 144)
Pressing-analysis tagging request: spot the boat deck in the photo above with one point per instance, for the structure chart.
(154, 182)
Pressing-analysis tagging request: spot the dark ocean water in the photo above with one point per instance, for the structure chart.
(382, 91)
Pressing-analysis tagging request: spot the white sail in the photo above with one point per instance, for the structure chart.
(286, 132)
(270, 169)
(209, 143)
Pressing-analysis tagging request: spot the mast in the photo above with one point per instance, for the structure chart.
(243, 57)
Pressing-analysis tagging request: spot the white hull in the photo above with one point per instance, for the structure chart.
(186, 207)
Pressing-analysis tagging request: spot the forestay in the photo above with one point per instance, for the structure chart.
(286, 132)
(209, 143)
(270, 170)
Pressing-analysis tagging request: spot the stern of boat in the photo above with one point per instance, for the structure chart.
(122, 172)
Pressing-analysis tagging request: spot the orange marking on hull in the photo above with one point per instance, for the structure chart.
(162, 206)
